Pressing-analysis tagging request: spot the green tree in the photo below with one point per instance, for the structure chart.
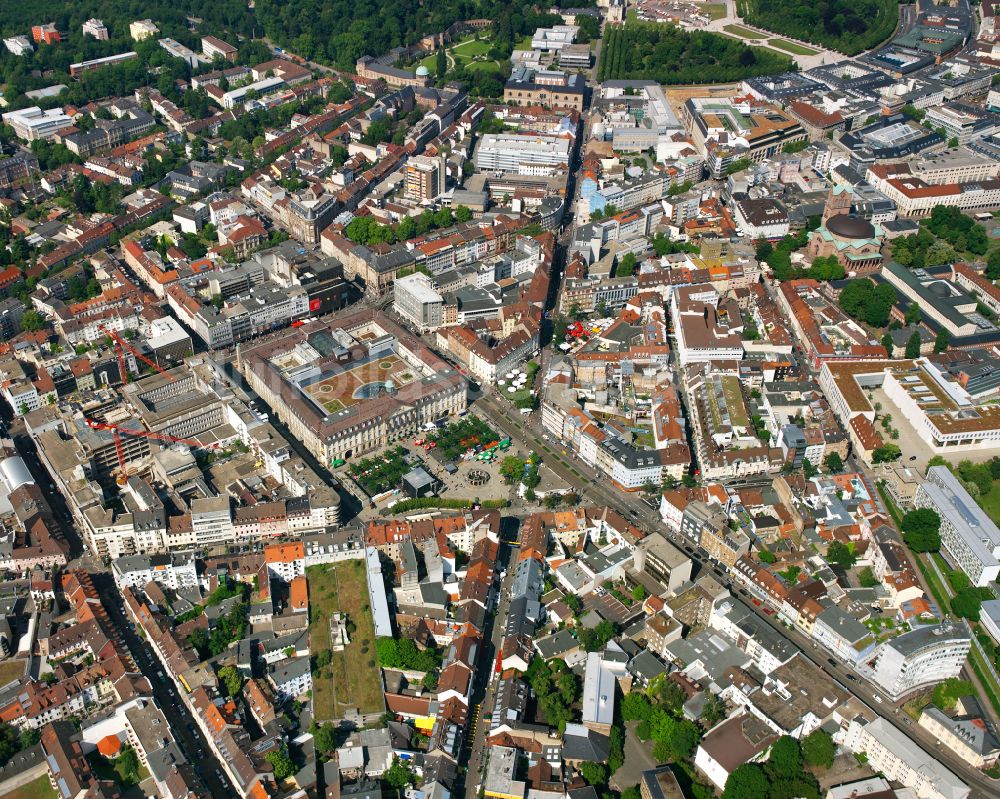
(785, 758)
(746, 782)
(886, 453)
(463, 214)
(638, 593)
(231, 680)
(282, 763)
(834, 463)
(127, 765)
(511, 469)
(913, 345)
(841, 554)
(993, 265)
(594, 773)
(942, 340)
(683, 739)
(441, 63)
(32, 321)
(713, 711)
(818, 749)
(947, 693)
(968, 603)
(399, 775)
(326, 738)
(595, 639)
(922, 530)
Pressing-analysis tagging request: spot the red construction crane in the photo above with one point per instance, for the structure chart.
(117, 432)
(121, 345)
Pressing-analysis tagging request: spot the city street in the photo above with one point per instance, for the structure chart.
(186, 732)
(594, 489)
(484, 688)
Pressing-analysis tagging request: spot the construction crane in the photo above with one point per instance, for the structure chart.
(117, 432)
(121, 345)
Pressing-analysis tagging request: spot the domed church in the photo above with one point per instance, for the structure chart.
(851, 239)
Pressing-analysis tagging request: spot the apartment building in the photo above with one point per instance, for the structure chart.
(923, 657)
(95, 28)
(893, 754)
(425, 178)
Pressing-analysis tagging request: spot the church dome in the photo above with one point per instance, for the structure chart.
(849, 226)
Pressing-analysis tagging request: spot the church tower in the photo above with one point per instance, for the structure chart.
(837, 202)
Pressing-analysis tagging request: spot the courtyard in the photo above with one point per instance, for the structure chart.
(359, 382)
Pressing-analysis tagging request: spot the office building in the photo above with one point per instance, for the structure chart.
(892, 753)
(524, 154)
(548, 88)
(417, 300)
(32, 123)
(96, 63)
(178, 50)
(970, 539)
(212, 46)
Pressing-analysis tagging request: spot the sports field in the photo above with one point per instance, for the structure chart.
(360, 382)
(352, 679)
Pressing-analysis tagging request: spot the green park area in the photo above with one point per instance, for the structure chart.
(350, 678)
(791, 47)
(714, 10)
(464, 434)
(381, 472)
(470, 52)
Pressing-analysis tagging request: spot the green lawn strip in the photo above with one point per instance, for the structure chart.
(744, 33)
(364, 675)
(791, 47)
(36, 789)
(320, 606)
(940, 593)
(714, 10)
(941, 596)
(890, 506)
(990, 503)
(11, 670)
(985, 677)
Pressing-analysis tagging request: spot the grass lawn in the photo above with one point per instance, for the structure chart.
(791, 47)
(36, 789)
(353, 678)
(744, 33)
(10, 671)
(714, 10)
(991, 503)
